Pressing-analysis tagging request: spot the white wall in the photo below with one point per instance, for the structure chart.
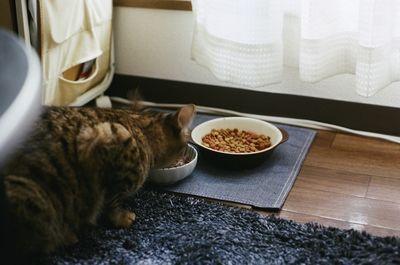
(157, 43)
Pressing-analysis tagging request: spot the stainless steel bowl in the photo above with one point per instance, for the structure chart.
(171, 175)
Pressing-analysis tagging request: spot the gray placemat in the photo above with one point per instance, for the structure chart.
(265, 186)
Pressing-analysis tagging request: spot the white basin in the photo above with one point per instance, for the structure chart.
(20, 91)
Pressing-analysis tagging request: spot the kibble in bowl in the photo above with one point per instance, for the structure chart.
(237, 142)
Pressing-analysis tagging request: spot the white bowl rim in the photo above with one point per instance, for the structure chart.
(273, 127)
(184, 165)
(17, 119)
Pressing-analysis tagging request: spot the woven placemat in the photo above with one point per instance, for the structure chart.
(265, 186)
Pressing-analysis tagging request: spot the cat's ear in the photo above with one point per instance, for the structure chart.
(136, 99)
(185, 115)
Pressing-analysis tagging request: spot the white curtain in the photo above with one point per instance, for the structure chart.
(248, 42)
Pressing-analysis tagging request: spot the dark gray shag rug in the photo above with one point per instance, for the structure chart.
(175, 229)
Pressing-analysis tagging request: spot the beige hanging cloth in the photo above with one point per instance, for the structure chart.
(75, 48)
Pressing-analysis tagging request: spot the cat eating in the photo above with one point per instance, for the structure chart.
(80, 163)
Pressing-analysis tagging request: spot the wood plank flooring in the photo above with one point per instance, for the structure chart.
(348, 181)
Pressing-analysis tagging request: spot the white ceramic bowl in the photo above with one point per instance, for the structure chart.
(21, 95)
(238, 160)
(171, 175)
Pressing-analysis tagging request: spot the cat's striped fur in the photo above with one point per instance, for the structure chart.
(79, 163)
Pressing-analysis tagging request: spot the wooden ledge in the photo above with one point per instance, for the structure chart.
(185, 5)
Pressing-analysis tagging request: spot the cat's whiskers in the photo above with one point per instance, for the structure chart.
(185, 152)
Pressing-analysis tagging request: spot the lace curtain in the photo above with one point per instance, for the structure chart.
(248, 42)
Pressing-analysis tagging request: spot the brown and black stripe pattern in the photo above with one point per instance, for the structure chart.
(82, 162)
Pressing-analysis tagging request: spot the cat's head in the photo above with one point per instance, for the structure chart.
(169, 134)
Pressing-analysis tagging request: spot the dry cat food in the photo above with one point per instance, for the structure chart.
(236, 141)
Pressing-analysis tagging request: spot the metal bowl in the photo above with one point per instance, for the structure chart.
(171, 175)
(238, 160)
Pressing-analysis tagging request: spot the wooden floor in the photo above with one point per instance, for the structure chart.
(348, 182)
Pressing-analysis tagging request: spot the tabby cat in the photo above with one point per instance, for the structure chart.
(82, 162)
